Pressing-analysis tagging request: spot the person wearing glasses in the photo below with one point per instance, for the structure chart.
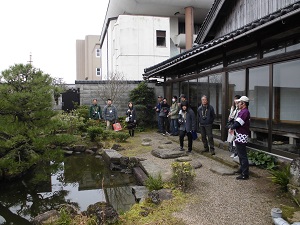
(242, 130)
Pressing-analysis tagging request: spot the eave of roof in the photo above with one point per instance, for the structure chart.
(249, 28)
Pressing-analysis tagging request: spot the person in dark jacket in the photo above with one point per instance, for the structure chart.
(206, 115)
(131, 118)
(95, 111)
(163, 115)
(110, 114)
(157, 110)
(187, 122)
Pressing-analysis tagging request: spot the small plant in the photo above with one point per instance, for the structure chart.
(94, 132)
(119, 136)
(154, 183)
(183, 175)
(64, 218)
(281, 176)
(262, 159)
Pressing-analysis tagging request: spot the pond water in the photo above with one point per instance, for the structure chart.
(81, 180)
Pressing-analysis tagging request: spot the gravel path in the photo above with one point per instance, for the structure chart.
(222, 199)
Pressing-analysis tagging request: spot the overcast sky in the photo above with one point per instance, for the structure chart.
(48, 29)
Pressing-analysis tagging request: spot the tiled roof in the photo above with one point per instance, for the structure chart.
(151, 71)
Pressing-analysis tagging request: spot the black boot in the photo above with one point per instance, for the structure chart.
(132, 133)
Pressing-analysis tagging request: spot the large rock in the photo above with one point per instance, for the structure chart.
(167, 153)
(140, 193)
(104, 212)
(139, 175)
(153, 169)
(111, 156)
(47, 217)
(157, 196)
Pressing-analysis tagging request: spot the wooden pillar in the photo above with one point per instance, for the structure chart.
(189, 27)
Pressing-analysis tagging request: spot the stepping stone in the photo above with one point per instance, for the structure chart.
(223, 171)
(183, 159)
(111, 156)
(146, 144)
(167, 153)
(153, 169)
(196, 164)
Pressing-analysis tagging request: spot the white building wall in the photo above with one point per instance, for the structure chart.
(132, 45)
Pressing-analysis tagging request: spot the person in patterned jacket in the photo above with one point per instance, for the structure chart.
(242, 130)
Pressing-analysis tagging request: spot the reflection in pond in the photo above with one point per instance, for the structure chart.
(80, 180)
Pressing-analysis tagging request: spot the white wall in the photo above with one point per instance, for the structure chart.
(132, 45)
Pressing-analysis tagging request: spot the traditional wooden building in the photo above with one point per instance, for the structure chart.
(245, 47)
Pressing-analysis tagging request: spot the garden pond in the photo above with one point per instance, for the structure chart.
(80, 180)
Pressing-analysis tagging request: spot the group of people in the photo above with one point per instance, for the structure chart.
(183, 123)
(110, 115)
(180, 119)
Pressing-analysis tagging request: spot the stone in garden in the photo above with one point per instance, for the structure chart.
(79, 148)
(157, 196)
(111, 156)
(124, 161)
(146, 144)
(221, 170)
(140, 193)
(117, 147)
(68, 152)
(89, 151)
(139, 175)
(155, 170)
(183, 159)
(50, 216)
(167, 153)
(94, 148)
(295, 172)
(196, 164)
(104, 213)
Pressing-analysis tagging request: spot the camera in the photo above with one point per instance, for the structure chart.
(204, 117)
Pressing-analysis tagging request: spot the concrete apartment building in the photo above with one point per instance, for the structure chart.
(139, 34)
(88, 58)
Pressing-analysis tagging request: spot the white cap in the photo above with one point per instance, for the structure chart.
(243, 99)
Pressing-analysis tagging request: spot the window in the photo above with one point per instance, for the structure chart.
(98, 71)
(286, 92)
(98, 52)
(161, 38)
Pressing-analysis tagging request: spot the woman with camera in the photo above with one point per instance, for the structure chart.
(187, 122)
(206, 114)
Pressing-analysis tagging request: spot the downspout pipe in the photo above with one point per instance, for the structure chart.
(276, 214)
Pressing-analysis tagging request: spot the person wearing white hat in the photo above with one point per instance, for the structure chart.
(242, 129)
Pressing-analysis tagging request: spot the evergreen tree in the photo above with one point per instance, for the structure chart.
(26, 98)
(144, 99)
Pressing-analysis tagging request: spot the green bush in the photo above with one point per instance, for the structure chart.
(183, 175)
(154, 183)
(119, 136)
(281, 177)
(262, 159)
(94, 132)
